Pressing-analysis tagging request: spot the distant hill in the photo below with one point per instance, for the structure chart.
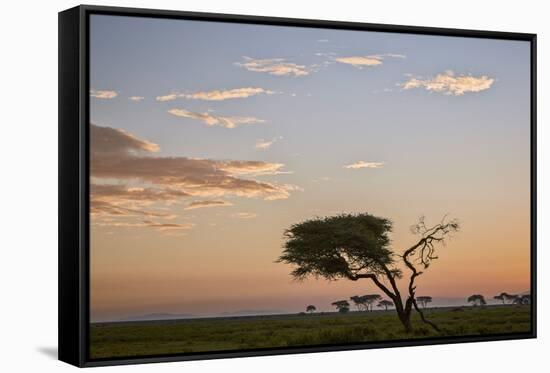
(252, 313)
(159, 316)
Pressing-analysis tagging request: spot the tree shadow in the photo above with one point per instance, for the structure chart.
(50, 352)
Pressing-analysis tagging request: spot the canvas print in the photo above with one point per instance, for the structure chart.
(263, 187)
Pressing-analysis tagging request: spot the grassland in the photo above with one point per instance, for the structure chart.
(221, 334)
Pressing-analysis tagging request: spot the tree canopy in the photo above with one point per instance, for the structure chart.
(357, 246)
(424, 300)
(477, 300)
(338, 247)
(385, 303)
(522, 299)
(341, 305)
(364, 302)
(311, 308)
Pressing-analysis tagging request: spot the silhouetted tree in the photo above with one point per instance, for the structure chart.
(369, 299)
(502, 297)
(385, 303)
(341, 305)
(477, 300)
(358, 301)
(522, 299)
(357, 246)
(512, 298)
(311, 308)
(424, 300)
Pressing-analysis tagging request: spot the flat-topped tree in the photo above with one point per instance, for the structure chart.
(311, 308)
(385, 303)
(341, 305)
(510, 297)
(505, 297)
(356, 247)
(358, 301)
(522, 299)
(369, 299)
(501, 297)
(424, 300)
(477, 300)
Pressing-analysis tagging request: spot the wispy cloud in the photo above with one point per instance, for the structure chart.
(168, 226)
(118, 192)
(363, 164)
(213, 120)
(394, 55)
(116, 154)
(244, 215)
(101, 207)
(103, 94)
(367, 61)
(262, 144)
(168, 97)
(217, 94)
(205, 204)
(450, 84)
(360, 61)
(125, 201)
(252, 168)
(220, 95)
(109, 141)
(130, 183)
(160, 226)
(136, 98)
(276, 66)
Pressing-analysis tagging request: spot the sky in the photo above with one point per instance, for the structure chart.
(209, 139)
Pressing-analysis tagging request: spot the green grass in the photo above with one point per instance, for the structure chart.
(110, 340)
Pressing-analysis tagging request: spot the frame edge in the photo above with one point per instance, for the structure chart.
(70, 349)
(73, 106)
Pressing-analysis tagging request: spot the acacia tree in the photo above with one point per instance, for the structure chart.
(512, 298)
(522, 299)
(311, 308)
(502, 297)
(477, 300)
(385, 303)
(424, 300)
(369, 299)
(356, 247)
(358, 301)
(341, 305)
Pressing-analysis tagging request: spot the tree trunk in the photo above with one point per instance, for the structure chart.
(404, 314)
(406, 321)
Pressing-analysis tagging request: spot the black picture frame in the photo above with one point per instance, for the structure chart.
(74, 180)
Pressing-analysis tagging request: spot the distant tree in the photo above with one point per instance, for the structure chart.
(505, 297)
(359, 302)
(385, 303)
(522, 299)
(369, 299)
(357, 246)
(341, 305)
(502, 297)
(424, 300)
(311, 308)
(512, 298)
(477, 300)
